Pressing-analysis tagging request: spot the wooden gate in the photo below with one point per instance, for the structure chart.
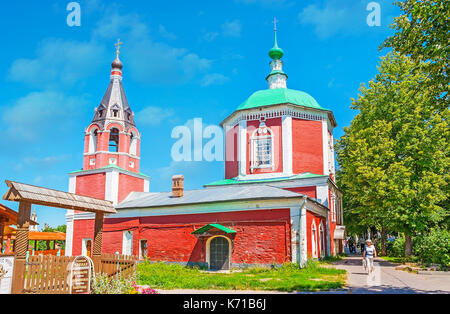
(47, 274)
(118, 266)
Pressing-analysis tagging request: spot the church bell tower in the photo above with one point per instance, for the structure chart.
(111, 156)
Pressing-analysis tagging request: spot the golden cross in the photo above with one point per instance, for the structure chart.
(118, 46)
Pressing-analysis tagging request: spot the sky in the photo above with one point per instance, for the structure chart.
(182, 60)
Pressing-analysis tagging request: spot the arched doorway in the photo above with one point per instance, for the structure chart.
(219, 253)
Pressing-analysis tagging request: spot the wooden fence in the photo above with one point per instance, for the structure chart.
(115, 265)
(49, 274)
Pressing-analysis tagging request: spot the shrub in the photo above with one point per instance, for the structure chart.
(105, 285)
(397, 248)
(102, 284)
(434, 247)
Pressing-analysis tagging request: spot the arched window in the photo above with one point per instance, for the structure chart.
(321, 240)
(333, 206)
(93, 137)
(114, 140)
(262, 148)
(314, 239)
(133, 143)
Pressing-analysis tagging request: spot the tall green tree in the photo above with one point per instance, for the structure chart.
(422, 33)
(394, 157)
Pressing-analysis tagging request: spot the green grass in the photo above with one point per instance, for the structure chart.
(287, 278)
(399, 260)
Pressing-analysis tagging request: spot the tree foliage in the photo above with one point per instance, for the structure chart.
(422, 32)
(394, 157)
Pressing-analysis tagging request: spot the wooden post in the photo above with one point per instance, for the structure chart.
(8, 245)
(21, 247)
(2, 227)
(98, 234)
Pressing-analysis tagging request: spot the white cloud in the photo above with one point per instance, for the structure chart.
(45, 162)
(46, 113)
(147, 60)
(214, 79)
(210, 36)
(335, 17)
(153, 116)
(58, 62)
(266, 3)
(232, 28)
(165, 33)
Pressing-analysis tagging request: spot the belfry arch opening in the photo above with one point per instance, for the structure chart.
(114, 140)
(133, 143)
(93, 139)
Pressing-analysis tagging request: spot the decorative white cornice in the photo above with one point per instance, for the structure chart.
(277, 111)
(108, 169)
(112, 153)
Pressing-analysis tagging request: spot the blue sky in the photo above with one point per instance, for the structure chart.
(182, 60)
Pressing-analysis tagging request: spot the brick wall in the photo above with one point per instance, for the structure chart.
(307, 146)
(262, 236)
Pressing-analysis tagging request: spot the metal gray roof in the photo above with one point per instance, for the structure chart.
(219, 194)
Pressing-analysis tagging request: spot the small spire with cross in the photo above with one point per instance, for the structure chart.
(118, 46)
(275, 24)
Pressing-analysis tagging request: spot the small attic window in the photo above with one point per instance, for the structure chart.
(100, 113)
(115, 113)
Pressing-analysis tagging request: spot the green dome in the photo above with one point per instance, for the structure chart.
(276, 53)
(269, 97)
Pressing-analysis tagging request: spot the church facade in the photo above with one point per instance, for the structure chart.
(277, 203)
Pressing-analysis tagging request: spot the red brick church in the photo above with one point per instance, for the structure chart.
(278, 201)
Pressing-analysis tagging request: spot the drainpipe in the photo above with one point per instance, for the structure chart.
(303, 240)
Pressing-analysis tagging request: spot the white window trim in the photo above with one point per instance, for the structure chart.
(314, 239)
(83, 246)
(333, 206)
(254, 138)
(321, 239)
(133, 143)
(124, 238)
(140, 248)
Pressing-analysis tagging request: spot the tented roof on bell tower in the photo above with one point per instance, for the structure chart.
(114, 106)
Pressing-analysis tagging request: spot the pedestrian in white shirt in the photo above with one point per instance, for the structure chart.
(369, 254)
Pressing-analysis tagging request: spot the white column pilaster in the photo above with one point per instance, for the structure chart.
(242, 148)
(287, 145)
(325, 147)
(112, 187)
(69, 219)
(303, 236)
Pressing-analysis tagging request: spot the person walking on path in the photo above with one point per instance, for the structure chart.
(368, 254)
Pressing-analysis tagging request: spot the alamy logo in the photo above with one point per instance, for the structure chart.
(74, 17)
(374, 17)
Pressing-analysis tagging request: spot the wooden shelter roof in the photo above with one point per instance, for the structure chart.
(53, 198)
(37, 235)
(11, 216)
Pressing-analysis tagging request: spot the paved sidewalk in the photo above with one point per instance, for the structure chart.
(385, 279)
